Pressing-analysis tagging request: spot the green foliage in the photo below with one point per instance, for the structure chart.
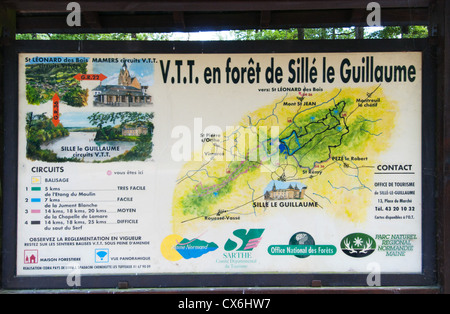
(387, 32)
(144, 145)
(107, 133)
(75, 97)
(288, 34)
(33, 95)
(141, 151)
(44, 81)
(108, 36)
(41, 129)
(392, 32)
(295, 33)
(100, 118)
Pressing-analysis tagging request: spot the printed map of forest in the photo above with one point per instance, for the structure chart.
(325, 143)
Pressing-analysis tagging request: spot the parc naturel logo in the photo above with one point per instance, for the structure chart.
(358, 245)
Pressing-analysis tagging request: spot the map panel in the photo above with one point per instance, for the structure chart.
(219, 163)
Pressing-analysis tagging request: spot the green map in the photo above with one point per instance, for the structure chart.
(327, 141)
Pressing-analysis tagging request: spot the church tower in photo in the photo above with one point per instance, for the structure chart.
(125, 78)
(127, 93)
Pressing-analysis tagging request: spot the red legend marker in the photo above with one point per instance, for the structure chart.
(90, 77)
(55, 118)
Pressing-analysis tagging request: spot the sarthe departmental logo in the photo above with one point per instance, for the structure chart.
(248, 240)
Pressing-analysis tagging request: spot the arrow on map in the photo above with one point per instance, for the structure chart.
(55, 115)
(90, 77)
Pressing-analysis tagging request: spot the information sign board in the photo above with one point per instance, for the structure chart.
(261, 164)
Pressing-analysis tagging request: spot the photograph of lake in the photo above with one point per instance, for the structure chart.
(90, 137)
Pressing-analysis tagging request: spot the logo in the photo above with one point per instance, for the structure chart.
(302, 245)
(30, 256)
(101, 255)
(238, 253)
(358, 245)
(302, 238)
(248, 240)
(174, 247)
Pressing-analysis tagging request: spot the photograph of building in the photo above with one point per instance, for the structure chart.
(127, 93)
(285, 191)
(135, 131)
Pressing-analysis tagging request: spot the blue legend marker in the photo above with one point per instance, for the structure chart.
(35, 200)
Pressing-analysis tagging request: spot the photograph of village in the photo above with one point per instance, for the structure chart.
(128, 92)
(44, 80)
